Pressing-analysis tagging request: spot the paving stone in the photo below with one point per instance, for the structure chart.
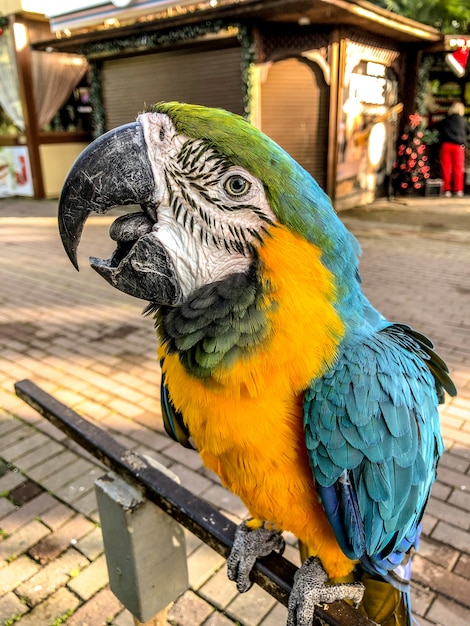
(54, 575)
(189, 610)
(100, 609)
(191, 541)
(440, 491)
(149, 437)
(189, 458)
(53, 466)
(91, 579)
(446, 613)
(48, 450)
(194, 482)
(58, 541)
(124, 618)
(23, 539)
(126, 409)
(80, 485)
(11, 608)
(56, 606)
(22, 433)
(421, 599)
(202, 564)
(446, 511)
(52, 431)
(219, 590)
(121, 425)
(16, 572)
(454, 462)
(460, 498)
(6, 507)
(441, 580)
(128, 393)
(458, 435)
(292, 554)
(92, 409)
(438, 553)
(252, 607)
(218, 619)
(79, 467)
(56, 517)
(463, 566)
(10, 480)
(429, 523)
(87, 505)
(276, 617)
(7, 422)
(92, 544)
(223, 499)
(458, 412)
(25, 446)
(451, 535)
(26, 491)
(33, 509)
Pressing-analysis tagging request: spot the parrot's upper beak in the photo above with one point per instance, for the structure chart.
(112, 171)
(115, 170)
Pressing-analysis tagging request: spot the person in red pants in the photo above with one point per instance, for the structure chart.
(453, 134)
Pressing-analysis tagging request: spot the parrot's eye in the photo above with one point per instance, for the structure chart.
(237, 186)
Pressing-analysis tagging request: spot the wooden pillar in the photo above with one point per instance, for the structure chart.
(333, 120)
(25, 80)
(413, 58)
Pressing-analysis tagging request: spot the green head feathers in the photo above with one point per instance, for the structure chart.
(294, 196)
(291, 191)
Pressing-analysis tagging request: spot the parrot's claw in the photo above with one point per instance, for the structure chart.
(311, 587)
(250, 544)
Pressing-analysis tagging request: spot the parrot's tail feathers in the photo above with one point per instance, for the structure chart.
(384, 604)
(424, 347)
(400, 576)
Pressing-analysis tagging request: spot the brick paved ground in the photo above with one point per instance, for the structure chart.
(89, 346)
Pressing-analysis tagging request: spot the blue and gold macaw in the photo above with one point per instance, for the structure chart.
(308, 404)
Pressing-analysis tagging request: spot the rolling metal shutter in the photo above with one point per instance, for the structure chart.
(294, 112)
(209, 77)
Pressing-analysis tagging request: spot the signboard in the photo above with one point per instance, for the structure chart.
(15, 172)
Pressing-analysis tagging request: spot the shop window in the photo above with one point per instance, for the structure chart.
(76, 114)
(7, 127)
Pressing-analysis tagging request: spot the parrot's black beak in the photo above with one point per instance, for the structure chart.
(115, 170)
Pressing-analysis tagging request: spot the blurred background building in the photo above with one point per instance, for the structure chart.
(329, 80)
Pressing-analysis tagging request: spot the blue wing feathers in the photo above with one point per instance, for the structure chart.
(173, 419)
(372, 432)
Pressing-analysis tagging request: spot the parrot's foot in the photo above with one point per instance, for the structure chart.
(311, 587)
(250, 544)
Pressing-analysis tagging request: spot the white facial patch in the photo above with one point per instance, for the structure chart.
(210, 214)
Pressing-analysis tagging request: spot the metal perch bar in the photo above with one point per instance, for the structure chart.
(273, 573)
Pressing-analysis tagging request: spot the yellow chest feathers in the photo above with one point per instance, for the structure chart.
(256, 400)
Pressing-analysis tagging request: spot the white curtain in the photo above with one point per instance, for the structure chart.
(55, 75)
(9, 90)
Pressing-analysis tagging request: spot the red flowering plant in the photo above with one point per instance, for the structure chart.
(411, 167)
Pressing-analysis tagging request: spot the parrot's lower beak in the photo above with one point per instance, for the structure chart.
(113, 171)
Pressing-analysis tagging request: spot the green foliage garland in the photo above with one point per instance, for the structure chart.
(246, 41)
(96, 98)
